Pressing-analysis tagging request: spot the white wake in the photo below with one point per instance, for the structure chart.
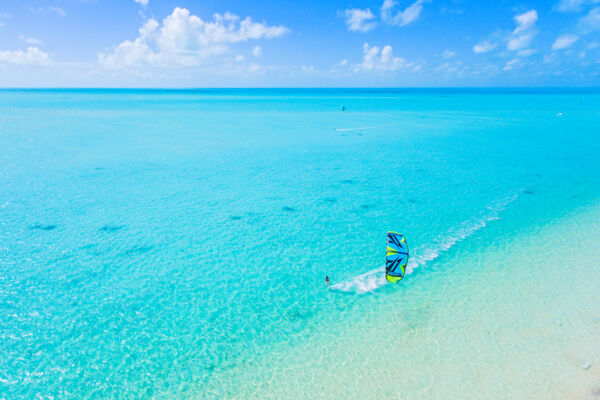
(363, 128)
(420, 256)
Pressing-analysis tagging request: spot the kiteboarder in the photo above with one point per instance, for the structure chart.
(326, 280)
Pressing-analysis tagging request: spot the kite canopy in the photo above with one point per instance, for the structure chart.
(396, 257)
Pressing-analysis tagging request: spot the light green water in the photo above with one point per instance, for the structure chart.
(524, 324)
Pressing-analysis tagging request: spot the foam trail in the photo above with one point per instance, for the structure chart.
(363, 128)
(420, 256)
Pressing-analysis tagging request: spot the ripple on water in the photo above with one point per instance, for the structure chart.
(43, 227)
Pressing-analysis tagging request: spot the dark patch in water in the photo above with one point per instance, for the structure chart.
(44, 227)
(235, 217)
(296, 315)
(111, 228)
(367, 206)
(88, 246)
(527, 191)
(538, 175)
(137, 249)
(330, 199)
(412, 201)
(349, 181)
(288, 209)
(575, 196)
(99, 168)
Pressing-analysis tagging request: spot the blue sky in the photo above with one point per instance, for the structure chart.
(192, 43)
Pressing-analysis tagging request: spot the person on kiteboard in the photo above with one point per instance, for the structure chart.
(326, 280)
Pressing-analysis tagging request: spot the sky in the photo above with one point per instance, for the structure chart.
(303, 43)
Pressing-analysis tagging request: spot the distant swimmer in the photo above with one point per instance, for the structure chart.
(326, 280)
(343, 108)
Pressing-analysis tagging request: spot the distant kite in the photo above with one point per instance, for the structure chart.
(396, 257)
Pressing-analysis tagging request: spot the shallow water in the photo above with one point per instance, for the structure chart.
(173, 244)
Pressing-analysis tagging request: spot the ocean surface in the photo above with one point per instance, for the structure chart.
(159, 244)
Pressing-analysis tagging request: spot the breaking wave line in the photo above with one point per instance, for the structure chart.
(420, 256)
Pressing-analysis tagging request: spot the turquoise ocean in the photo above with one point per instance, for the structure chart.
(172, 244)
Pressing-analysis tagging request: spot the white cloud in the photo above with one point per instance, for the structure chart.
(443, 66)
(521, 37)
(591, 22)
(382, 59)
(448, 54)
(511, 64)
(57, 10)
(526, 53)
(31, 56)
(187, 40)
(484, 47)
(519, 42)
(53, 9)
(255, 68)
(30, 40)
(574, 5)
(239, 58)
(360, 20)
(525, 21)
(344, 62)
(410, 13)
(142, 2)
(256, 51)
(564, 41)
(570, 5)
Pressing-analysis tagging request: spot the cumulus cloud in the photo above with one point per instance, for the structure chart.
(382, 59)
(570, 5)
(590, 22)
(564, 41)
(521, 37)
(142, 2)
(448, 54)
(30, 40)
(3, 16)
(519, 42)
(525, 21)
(451, 67)
(54, 9)
(526, 52)
(401, 18)
(512, 64)
(484, 47)
(360, 20)
(185, 39)
(31, 56)
(574, 5)
(58, 10)
(256, 51)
